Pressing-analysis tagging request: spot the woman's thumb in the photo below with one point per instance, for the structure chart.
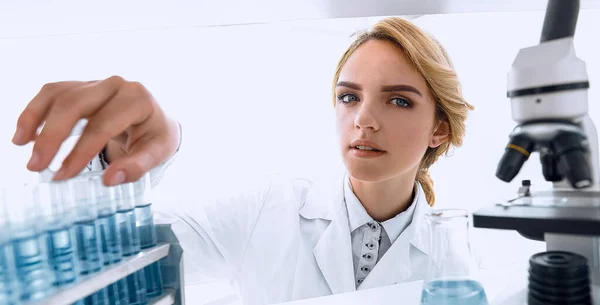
(131, 167)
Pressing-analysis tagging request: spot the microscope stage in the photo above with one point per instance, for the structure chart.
(558, 212)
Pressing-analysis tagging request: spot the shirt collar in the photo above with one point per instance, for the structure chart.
(358, 216)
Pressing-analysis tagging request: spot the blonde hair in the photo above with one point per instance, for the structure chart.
(431, 60)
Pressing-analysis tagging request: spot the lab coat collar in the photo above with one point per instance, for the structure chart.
(323, 201)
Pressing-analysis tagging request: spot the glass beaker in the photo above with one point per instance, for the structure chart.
(452, 274)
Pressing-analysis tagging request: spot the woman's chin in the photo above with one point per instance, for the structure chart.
(367, 172)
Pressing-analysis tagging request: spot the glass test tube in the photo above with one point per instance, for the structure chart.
(87, 231)
(130, 241)
(109, 233)
(28, 242)
(145, 224)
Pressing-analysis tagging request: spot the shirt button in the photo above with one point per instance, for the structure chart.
(368, 256)
(373, 226)
(360, 280)
(370, 246)
(365, 269)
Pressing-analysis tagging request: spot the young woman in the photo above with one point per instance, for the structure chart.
(398, 108)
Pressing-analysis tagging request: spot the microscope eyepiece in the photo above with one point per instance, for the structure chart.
(516, 153)
(572, 162)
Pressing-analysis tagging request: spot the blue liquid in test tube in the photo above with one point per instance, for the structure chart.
(130, 241)
(31, 261)
(61, 248)
(88, 244)
(87, 232)
(57, 212)
(29, 245)
(145, 226)
(110, 236)
(90, 259)
(8, 286)
(111, 239)
(8, 291)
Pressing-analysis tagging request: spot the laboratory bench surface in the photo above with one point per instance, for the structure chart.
(405, 293)
(503, 286)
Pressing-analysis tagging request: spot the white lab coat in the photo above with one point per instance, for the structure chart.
(290, 240)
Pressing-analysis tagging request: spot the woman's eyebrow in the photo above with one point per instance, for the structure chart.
(395, 88)
(392, 88)
(348, 85)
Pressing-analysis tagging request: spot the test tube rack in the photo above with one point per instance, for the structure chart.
(167, 251)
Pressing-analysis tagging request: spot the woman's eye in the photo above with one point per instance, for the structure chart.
(347, 98)
(401, 102)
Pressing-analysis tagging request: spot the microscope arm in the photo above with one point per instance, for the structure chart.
(560, 20)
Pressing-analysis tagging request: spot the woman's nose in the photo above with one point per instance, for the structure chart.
(365, 117)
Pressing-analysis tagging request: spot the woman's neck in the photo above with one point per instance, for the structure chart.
(385, 199)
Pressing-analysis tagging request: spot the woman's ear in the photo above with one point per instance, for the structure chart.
(441, 134)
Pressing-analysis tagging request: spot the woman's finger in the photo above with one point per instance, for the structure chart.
(124, 110)
(34, 114)
(66, 110)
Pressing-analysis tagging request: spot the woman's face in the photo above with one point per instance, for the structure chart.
(385, 114)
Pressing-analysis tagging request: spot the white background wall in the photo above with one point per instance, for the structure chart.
(255, 99)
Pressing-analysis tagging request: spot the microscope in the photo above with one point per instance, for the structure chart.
(548, 90)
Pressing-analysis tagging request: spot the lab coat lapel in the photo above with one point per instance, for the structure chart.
(396, 265)
(333, 251)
